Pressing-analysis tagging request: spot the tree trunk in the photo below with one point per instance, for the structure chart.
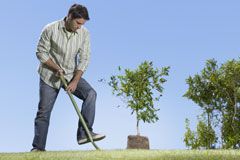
(137, 126)
(138, 132)
(209, 125)
(235, 112)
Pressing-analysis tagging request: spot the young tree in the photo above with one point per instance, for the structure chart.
(140, 88)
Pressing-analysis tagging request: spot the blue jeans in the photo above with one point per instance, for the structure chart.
(48, 96)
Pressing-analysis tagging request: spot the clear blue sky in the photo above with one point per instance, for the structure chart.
(181, 34)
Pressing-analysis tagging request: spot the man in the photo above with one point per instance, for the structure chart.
(64, 49)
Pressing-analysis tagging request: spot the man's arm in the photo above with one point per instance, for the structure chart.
(43, 49)
(53, 66)
(84, 51)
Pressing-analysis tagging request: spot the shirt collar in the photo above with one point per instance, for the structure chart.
(62, 26)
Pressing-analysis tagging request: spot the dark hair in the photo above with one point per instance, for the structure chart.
(78, 11)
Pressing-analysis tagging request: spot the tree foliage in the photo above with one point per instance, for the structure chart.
(190, 137)
(140, 88)
(217, 91)
(204, 137)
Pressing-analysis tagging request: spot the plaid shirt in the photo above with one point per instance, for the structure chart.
(69, 50)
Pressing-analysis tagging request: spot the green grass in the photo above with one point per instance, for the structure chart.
(126, 155)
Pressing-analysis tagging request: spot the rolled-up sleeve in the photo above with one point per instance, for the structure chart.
(44, 45)
(84, 52)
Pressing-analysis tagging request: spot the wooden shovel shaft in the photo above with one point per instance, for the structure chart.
(79, 113)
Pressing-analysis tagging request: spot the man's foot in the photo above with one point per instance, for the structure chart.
(95, 136)
(37, 150)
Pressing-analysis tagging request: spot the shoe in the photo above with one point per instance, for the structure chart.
(95, 137)
(37, 150)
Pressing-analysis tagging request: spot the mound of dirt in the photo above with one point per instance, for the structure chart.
(137, 142)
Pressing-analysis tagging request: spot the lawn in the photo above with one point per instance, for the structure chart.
(126, 155)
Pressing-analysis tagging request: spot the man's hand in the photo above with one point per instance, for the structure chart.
(74, 82)
(59, 72)
(72, 86)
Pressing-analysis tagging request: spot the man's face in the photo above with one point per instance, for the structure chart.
(75, 24)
